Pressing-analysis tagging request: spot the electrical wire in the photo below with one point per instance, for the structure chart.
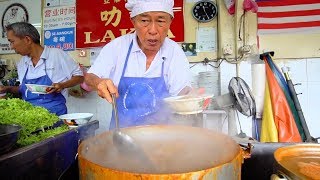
(207, 61)
(241, 21)
(225, 118)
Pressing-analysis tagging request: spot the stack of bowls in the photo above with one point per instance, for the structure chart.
(210, 81)
(194, 81)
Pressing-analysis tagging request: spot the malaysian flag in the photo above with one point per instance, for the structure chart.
(288, 16)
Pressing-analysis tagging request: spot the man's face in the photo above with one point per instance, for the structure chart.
(20, 45)
(151, 28)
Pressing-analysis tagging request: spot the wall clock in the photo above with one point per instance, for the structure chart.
(204, 11)
(16, 12)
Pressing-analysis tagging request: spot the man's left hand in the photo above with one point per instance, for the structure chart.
(57, 87)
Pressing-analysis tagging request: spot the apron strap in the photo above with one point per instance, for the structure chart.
(162, 67)
(128, 54)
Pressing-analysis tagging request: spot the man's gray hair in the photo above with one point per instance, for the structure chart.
(22, 29)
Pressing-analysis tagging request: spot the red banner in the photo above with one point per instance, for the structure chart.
(100, 21)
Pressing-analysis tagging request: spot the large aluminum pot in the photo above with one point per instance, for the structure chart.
(177, 152)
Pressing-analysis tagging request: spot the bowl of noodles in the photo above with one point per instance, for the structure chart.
(189, 104)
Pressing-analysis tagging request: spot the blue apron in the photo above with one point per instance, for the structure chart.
(140, 100)
(54, 102)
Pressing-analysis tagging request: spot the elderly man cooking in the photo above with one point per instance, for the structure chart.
(142, 68)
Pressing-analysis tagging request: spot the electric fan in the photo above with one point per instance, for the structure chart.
(239, 98)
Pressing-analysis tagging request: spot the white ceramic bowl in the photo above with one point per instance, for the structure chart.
(75, 119)
(188, 104)
(39, 89)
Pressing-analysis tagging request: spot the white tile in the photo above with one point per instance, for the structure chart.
(313, 73)
(72, 105)
(302, 91)
(227, 70)
(297, 70)
(196, 68)
(313, 114)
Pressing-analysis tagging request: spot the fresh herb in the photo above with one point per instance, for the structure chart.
(31, 118)
(33, 138)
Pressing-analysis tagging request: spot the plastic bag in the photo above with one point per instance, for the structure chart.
(250, 5)
(230, 4)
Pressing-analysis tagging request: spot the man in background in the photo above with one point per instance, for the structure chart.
(41, 66)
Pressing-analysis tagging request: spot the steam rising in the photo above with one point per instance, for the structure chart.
(171, 149)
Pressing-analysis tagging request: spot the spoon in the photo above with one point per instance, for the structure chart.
(125, 144)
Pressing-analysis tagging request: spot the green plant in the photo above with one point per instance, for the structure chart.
(31, 118)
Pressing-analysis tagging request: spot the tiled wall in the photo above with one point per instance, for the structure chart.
(92, 103)
(302, 71)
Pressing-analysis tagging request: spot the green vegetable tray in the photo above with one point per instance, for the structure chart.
(47, 159)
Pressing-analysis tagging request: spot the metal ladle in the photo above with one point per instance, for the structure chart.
(125, 144)
(122, 141)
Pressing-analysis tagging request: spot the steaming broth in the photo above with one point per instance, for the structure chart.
(172, 149)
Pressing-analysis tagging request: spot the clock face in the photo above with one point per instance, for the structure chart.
(14, 13)
(204, 11)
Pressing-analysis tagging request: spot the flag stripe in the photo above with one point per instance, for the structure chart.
(308, 30)
(288, 20)
(289, 25)
(286, 2)
(288, 16)
(303, 7)
(269, 132)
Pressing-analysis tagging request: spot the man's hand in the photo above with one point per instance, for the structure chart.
(191, 91)
(9, 89)
(57, 88)
(105, 88)
(3, 89)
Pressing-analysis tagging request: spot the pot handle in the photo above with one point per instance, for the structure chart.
(246, 150)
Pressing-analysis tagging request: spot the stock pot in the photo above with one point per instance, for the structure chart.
(176, 152)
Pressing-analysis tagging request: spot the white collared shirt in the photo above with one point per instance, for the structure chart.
(60, 67)
(110, 63)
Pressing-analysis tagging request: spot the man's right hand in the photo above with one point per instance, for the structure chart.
(105, 88)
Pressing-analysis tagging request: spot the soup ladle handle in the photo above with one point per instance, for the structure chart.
(115, 110)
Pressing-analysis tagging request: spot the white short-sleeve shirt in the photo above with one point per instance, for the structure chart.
(58, 65)
(110, 63)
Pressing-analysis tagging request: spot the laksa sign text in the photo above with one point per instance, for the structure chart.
(99, 22)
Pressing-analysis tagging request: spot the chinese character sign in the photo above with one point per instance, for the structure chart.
(60, 38)
(101, 21)
(59, 27)
(59, 17)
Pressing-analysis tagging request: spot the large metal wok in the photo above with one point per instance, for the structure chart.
(9, 135)
(301, 161)
(176, 152)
